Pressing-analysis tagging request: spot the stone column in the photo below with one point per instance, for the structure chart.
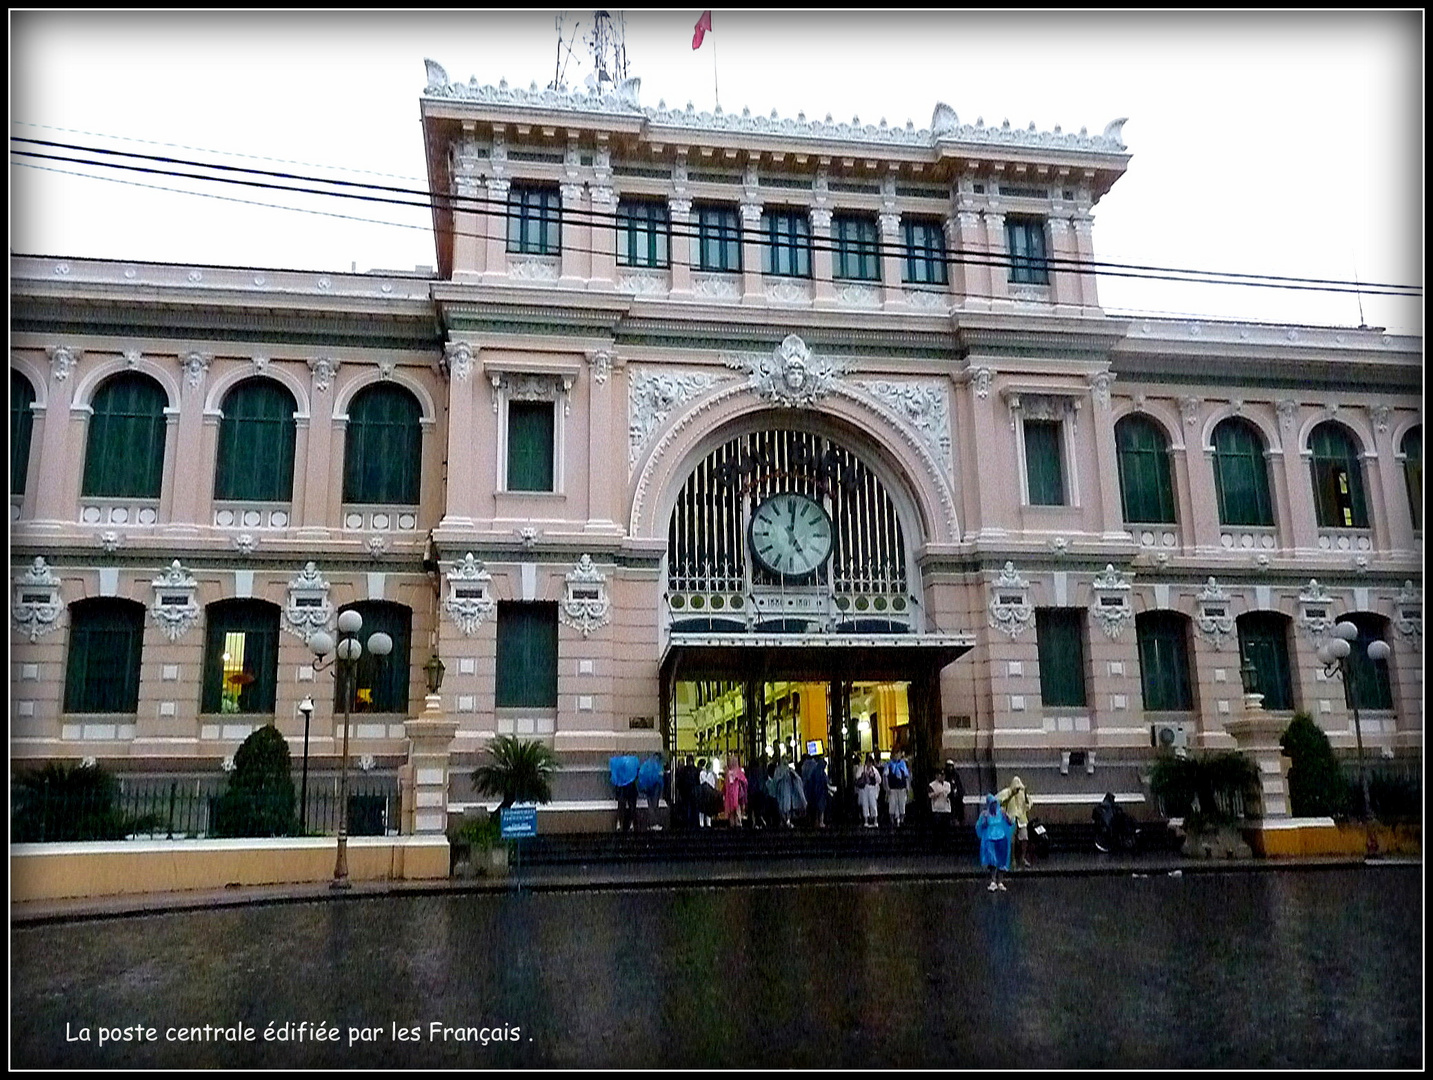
(496, 262)
(682, 245)
(892, 289)
(582, 236)
(424, 778)
(60, 445)
(1064, 281)
(464, 435)
(470, 211)
(751, 239)
(1107, 473)
(998, 256)
(1085, 252)
(968, 281)
(606, 441)
(823, 261)
(314, 517)
(185, 443)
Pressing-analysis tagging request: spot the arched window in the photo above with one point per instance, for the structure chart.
(1338, 478)
(381, 683)
(256, 443)
(1368, 682)
(124, 457)
(241, 656)
(382, 459)
(1163, 638)
(22, 425)
(1412, 447)
(1146, 490)
(102, 669)
(1241, 476)
(1264, 641)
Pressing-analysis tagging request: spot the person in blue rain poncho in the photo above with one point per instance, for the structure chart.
(994, 827)
(623, 769)
(651, 779)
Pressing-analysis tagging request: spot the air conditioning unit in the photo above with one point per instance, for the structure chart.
(1170, 736)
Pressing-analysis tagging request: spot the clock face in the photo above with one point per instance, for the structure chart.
(790, 535)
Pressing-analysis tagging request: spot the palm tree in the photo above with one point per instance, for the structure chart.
(519, 772)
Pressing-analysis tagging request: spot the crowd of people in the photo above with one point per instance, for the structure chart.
(780, 793)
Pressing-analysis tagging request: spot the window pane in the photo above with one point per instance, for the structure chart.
(1412, 447)
(1263, 639)
(787, 252)
(642, 228)
(925, 253)
(1059, 640)
(1025, 238)
(719, 239)
(124, 455)
(22, 423)
(1043, 466)
(241, 652)
(1146, 490)
(256, 443)
(857, 250)
(1241, 479)
(1164, 662)
(381, 683)
(383, 451)
(527, 656)
(102, 668)
(534, 220)
(1338, 478)
(1368, 680)
(530, 446)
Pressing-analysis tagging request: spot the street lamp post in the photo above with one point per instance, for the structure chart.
(305, 707)
(345, 662)
(1335, 654)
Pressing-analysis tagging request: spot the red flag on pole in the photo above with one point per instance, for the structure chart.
(703, 27)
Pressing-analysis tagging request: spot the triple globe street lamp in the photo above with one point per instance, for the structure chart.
(1335, 655)
(346, 652)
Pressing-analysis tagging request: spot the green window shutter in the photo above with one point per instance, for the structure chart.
(1164, 661)
(925, 253)
(383, 451)
(1241, 476)
(1146, 490)
(1412, 447)
(1060, 643)
(1263, 638)
(256, 443)
(1338, 478)
(527, 656)
(1044, 467)
(241, 653)
(381, 683)
(102, 668)
(22, 426)
(1369, 682)
(530, 446)
(124, 454)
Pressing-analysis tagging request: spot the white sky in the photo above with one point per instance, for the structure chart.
(1275, 143)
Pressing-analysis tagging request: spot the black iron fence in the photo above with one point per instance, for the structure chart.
(1395, 790)
(180, 808)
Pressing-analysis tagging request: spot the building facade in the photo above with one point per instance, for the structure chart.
(712, 435)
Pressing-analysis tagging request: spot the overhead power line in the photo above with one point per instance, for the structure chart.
(418, 198)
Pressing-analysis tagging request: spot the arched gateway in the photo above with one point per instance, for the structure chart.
(794, 609)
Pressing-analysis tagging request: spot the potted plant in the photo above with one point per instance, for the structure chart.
(518, 771)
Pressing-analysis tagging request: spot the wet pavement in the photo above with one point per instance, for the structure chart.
(1079, 964)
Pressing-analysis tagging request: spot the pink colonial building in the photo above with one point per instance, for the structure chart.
(711, 435)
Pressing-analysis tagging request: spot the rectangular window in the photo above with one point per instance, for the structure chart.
(786, 251)
(1338, 496)
(1025, 238)
(643, 227)
(102, 675)
(534, 220)
(857, 249)
(527, 656)
(1164, 663)
(1263, 638)
(530, 446)
(241, 658)
(719, 239)
(1044, 463)
(1060, 643)
(925, 252)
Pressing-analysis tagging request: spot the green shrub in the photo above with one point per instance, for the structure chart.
(1317, 787)
(520, 771)
(1207, 790)
(260, 797)
(71, 802)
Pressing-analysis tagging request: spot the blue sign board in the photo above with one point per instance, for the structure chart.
(518, 821)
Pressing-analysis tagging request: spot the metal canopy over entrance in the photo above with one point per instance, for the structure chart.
(817, 657)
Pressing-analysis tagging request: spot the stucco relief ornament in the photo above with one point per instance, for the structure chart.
(196, 366)
(586, 607)
(1381, 415)
(980, 378)
(1100, 384)
(470, 595)
(601, 361)
(1189, 409)
(245, 543)
(1408, 611)
(308, 610)
(38, 602)
(110, 541)
(1010, 609)
(324, 369)
(790, 375)
(132, 358)
(1112, 608)
(923, 406)
(458, 356)
(175, 607)
(1315, 611)
(63, 360)
(1285, 407)
(527, 535)
(651, 397)
(1215, 619)
(377, 545)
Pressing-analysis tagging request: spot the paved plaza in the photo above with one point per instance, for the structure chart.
(1238, 967)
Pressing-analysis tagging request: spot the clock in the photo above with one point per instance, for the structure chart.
(790, 535)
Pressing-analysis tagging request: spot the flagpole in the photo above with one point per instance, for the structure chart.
(716, 89)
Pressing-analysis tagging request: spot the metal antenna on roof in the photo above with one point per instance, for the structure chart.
(564, 52)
